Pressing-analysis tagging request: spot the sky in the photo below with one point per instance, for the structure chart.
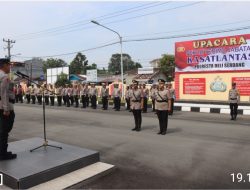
(52, 28)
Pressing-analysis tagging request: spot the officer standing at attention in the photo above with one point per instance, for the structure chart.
(7, 114)
(137, 103)
(76, 94)
(163, 105)
(27, 94)
(58, 91)
(117, 97)
(104, 95)
(152, 95)
(93, 95)
(145, 98)
(127, 97)
(33, 94)
(234, 99)
(172, 94)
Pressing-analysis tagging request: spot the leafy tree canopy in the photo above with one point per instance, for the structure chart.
(53, 63)
(128, 64)
(62, 80)
(79, 64)
(167, 65)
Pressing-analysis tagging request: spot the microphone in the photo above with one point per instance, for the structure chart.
(22, 75)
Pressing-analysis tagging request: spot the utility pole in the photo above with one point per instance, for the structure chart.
(9, 46)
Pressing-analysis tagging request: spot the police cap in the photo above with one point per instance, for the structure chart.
(161, 81)
(4, 61)
(134, 81)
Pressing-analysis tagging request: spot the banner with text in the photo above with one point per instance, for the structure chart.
(194, 86)
(243, 85)
(214, 54)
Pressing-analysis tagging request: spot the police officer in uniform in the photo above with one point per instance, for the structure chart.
(117, 97)
(137, 103)
(7, 114)
(172, 94)
(104, 95)
(163, 105)
(145, 92)
(93, 95)
(27, 94)
(127, 97)
(83, 94)
(33, 94)
(59, 93)
(152, 95)
(46, 94)
(52, 94)
(76, 94)
(39, 96)
(234, 98)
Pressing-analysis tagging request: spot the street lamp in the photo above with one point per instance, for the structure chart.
(120, 38)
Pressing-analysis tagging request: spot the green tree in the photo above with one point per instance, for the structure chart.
(53, 63)
(79, 64)
(128, 64)
(167, 65)
(62, 79)
(93, 66)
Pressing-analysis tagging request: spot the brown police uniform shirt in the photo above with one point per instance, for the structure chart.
(135, 98)
(233, 96)
(6, 92)
(162, 98)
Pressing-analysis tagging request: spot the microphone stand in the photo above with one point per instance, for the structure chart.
(45, 143)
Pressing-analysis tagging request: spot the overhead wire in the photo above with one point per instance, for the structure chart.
(149, 39)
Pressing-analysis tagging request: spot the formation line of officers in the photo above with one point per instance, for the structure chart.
(162, 96)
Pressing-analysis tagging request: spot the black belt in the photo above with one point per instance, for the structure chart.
(233, 98)
(161, 101)
(135, 100)
(10, 100)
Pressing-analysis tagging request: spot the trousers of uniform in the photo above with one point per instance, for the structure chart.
(20, 98)
(76, 101)
(16, 98)
(105, 102)
(233, 110)
(64, 100)
(153, 104)
(138, 118)
(163, 120)
(67, 100)
(59, 100)
(52, 100)
(28, 98)
(6, 125)
(145, 104)
(87, 100)
(33, 98)
(172, 107)
(39, 99)
(71, 99)
(128, 103)
(84, 101)
(46, 100)
(117, 102)
(93, 101)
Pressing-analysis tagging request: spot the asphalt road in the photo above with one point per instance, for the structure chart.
(199, 151)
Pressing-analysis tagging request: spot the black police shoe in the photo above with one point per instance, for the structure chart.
(8, 156)
(164, 133)
(134, 129)
(159, 132)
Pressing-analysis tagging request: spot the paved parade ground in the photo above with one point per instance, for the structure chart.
(200, 150)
